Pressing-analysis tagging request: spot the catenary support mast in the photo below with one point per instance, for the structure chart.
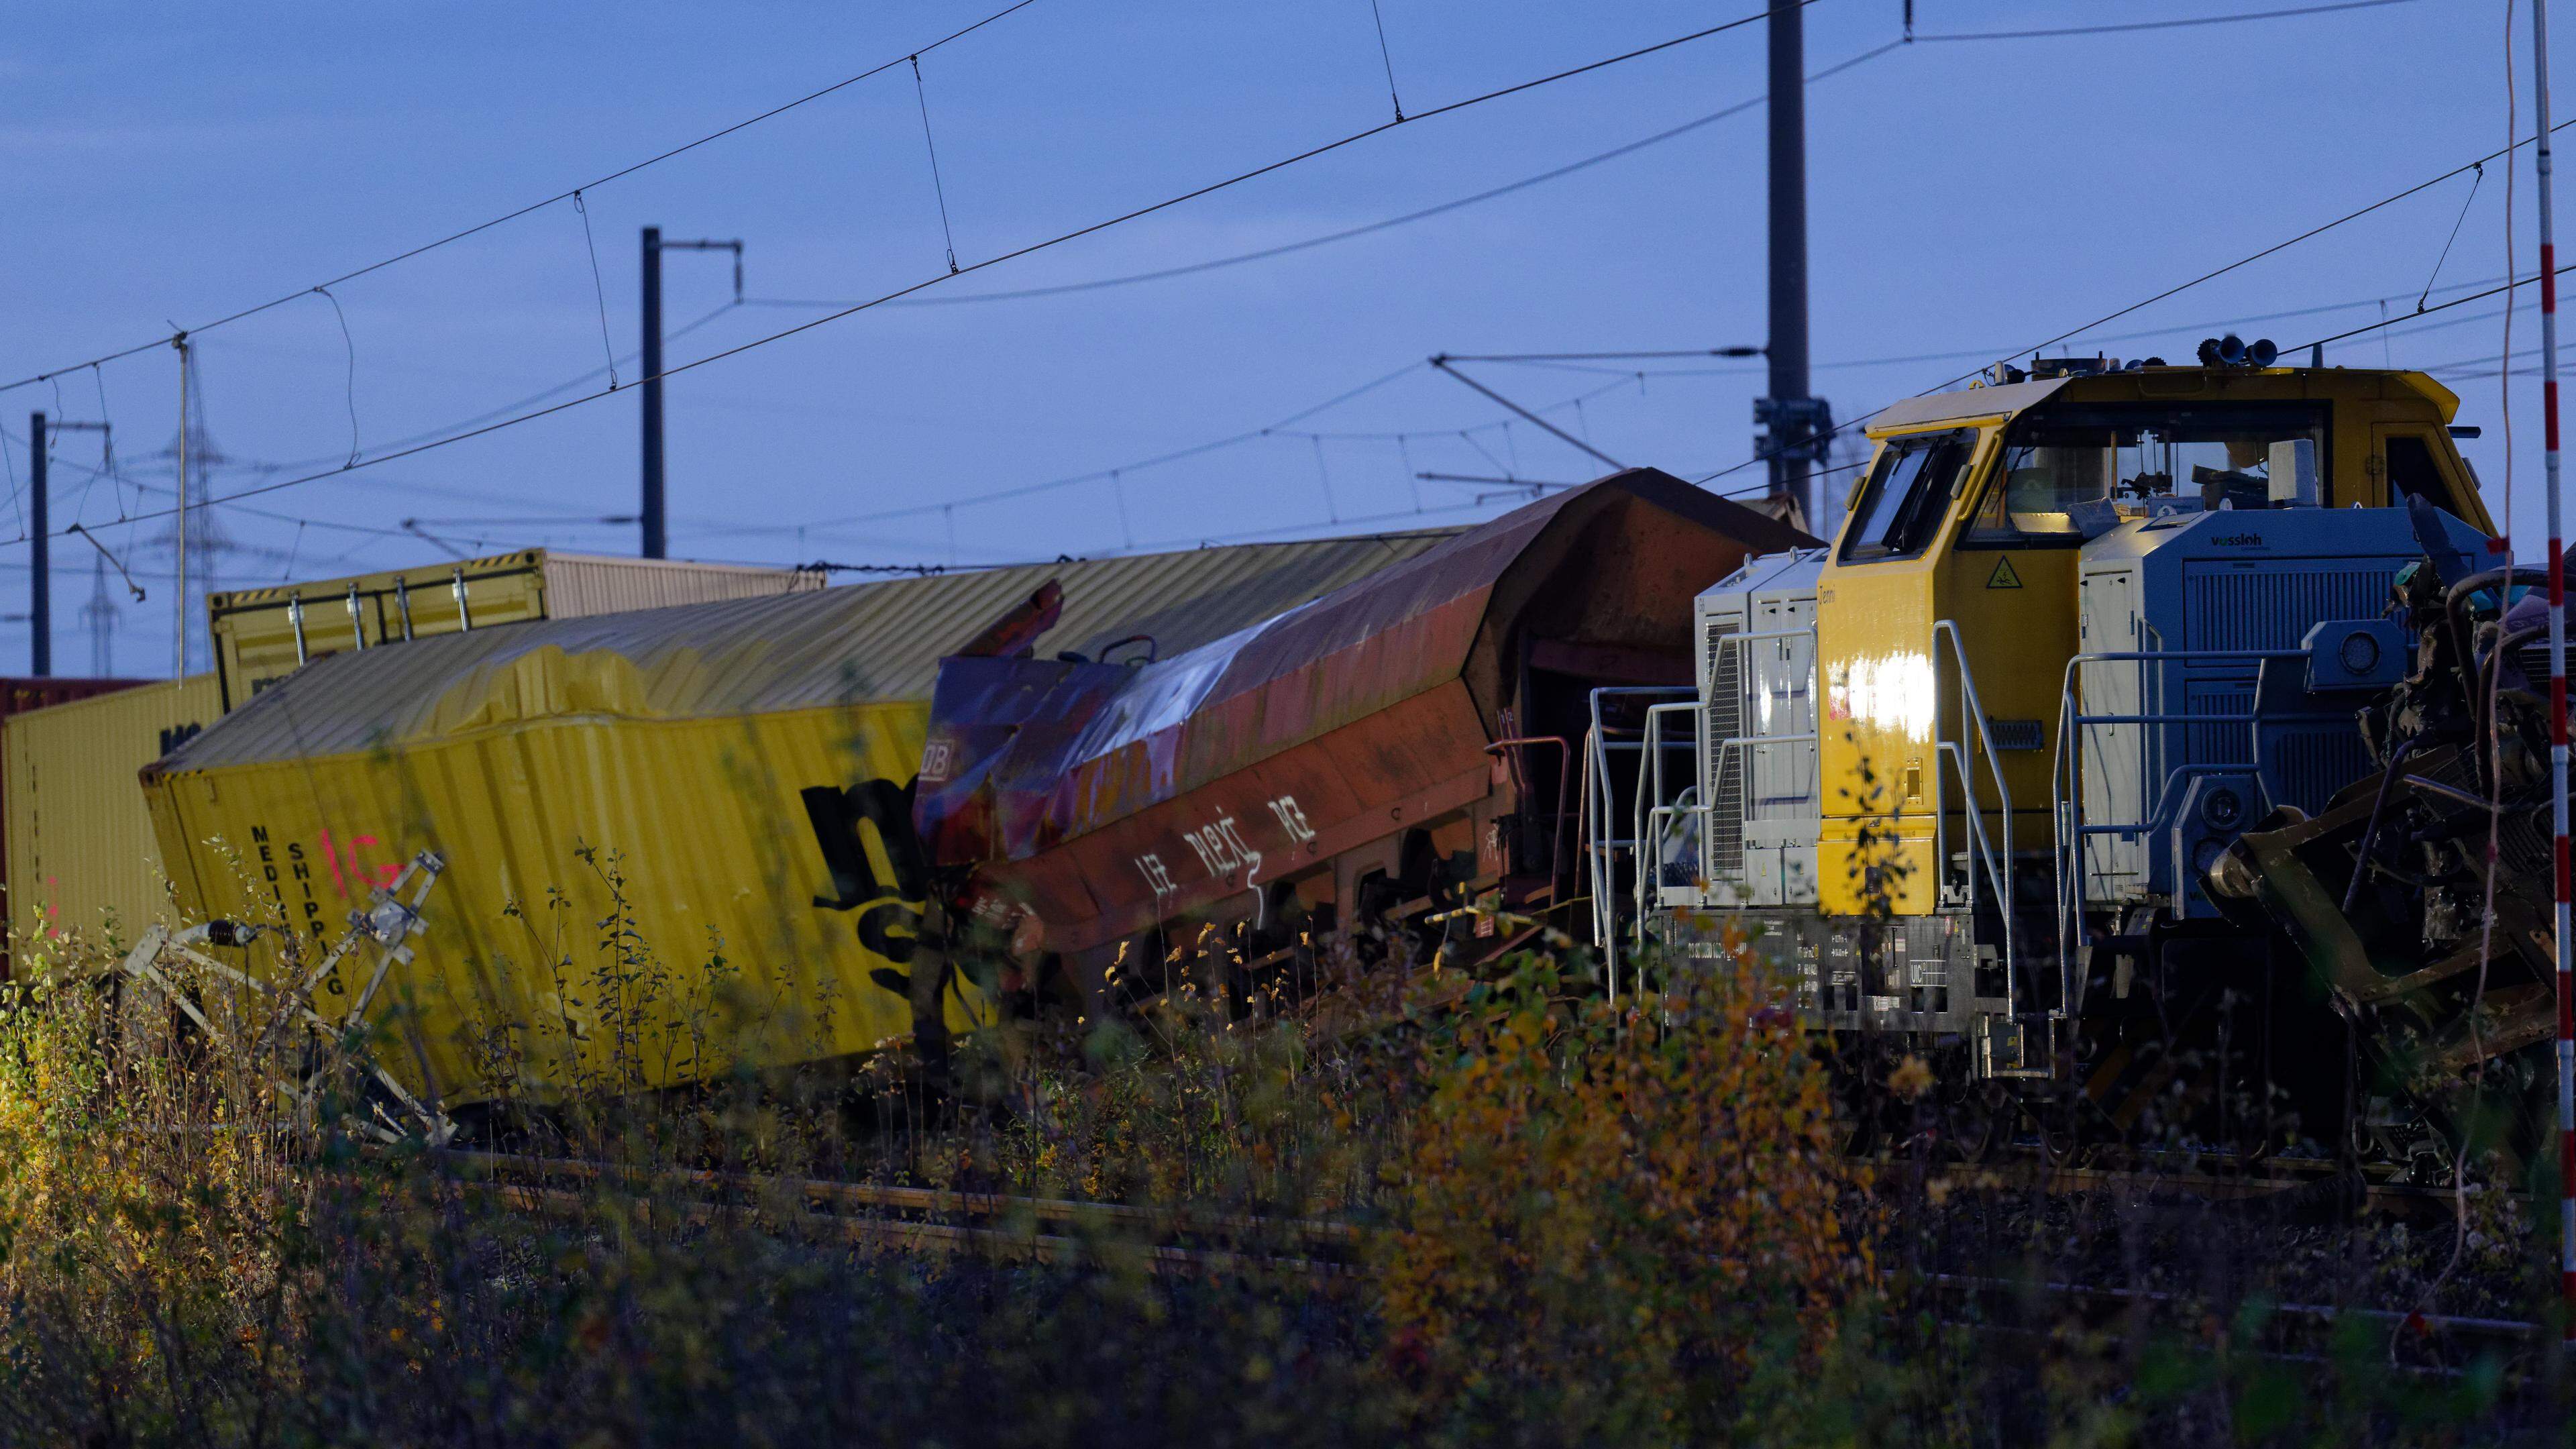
(1794, 424)
(40, 577)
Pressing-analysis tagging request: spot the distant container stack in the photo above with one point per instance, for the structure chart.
(263, 635)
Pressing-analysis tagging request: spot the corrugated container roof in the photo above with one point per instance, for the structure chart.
(859, 642)
(590, 583)
(20, 694)
(263, 634)
(599, 583)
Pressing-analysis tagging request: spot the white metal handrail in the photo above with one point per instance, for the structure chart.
(1655, 835)
(2066, 764)
(1743, 813)
(1980, 852)
(1649, 796)
(1599, 804)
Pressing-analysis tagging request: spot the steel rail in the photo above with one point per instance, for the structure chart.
(952, 1238)
(886, 1198)
(873, 1217)
(2320, 1316)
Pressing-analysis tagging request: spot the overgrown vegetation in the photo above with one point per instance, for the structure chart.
(1585, 1221)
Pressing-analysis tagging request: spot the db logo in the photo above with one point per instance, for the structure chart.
(936, 759)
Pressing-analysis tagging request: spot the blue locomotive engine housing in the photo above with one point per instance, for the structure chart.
(2224, 655)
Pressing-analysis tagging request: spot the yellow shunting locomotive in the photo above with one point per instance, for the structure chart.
(1970, 767)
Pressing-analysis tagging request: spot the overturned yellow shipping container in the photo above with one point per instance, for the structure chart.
(263, 635)
(80, 851)
(677, 840)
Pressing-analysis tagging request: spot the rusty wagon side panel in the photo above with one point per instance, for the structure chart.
(1316, 747)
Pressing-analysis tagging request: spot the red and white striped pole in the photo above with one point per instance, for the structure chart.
(2557, 685)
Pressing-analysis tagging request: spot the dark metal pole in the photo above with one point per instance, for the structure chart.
(40, 580)
(656, 544)
(1790, 435)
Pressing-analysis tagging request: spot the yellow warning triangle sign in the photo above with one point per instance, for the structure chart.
(2003, 577)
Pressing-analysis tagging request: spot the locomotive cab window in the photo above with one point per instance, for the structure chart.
(2073, 474)
(2412, 473)
(1907, 495)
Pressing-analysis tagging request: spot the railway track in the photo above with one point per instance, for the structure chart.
(2293, 1329)
(937, 1220)
(2287, 1183)
(1018, 1228)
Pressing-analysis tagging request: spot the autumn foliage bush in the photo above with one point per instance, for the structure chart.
(1610, 1210)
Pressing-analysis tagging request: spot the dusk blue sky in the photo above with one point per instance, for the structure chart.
(170, 164)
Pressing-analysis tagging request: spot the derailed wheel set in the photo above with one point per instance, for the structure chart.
(2125, 757)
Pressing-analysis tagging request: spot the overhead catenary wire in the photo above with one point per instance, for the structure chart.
(112, 562)
(1116, 474)
(614, 359)
(1388, 56)
(1059, 239)
(1324, 477)
(1284, 428)
(1262, 254)
(1443, 361)
(1666, 135)
(1256, 535)
(1760, 456)
(2477, 296)
(598, 288)
(107, 436)
(124, 478)
(535, 206)
(301, 521)
(1736, 351)
(1497, 425)
(937, 188)
(2274, 249)
(1514, 487)
(505, 409)
(2125, 27)
(2449, 241)
(9, 461)
(350, 341)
